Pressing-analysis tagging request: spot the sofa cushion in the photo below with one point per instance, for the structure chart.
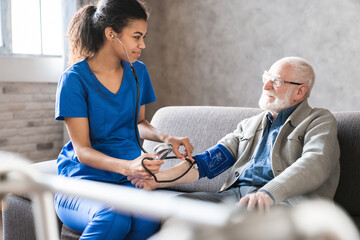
(69, 234)
(47, 167)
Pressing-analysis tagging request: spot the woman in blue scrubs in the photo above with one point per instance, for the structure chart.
(96, 97)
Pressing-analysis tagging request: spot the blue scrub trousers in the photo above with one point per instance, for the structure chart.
(98, 221)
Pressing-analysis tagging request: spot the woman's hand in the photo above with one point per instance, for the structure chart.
(181, 141)
(135, 167)
(147, 184)
(147, 131)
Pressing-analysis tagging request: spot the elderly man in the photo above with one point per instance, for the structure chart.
(288, 152)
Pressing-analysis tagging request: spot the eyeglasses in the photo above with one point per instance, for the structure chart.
(276, 81)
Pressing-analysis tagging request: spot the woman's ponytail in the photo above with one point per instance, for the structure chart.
(84, 38)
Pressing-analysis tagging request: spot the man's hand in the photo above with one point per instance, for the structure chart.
(147, 184)
(261, 200)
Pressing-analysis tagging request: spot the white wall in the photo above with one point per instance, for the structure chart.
(210, 52)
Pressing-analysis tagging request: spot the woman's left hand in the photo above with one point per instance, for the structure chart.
(181, 141)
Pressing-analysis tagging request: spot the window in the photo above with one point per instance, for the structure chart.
(35, 27)
(31, 45)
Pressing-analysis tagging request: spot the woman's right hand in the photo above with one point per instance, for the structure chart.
(135, 167)
(146, 184)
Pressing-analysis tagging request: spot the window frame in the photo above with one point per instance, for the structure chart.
(5, 49)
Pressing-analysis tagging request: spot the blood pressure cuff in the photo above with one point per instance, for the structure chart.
(214, 161)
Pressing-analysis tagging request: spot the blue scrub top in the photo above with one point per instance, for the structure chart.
(111, 117)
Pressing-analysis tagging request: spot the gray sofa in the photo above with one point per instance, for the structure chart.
(205, 126)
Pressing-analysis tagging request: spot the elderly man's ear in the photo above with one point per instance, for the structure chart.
(300, 92)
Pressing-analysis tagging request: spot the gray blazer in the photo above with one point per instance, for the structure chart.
(305, 156)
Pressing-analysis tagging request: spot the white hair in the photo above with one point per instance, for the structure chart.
(302, 72)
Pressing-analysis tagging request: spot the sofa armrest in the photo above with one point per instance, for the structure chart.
(18, 220)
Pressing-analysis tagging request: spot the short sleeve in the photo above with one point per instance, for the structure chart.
(148, 95)
(70, 97)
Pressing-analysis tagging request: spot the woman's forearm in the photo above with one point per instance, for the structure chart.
(147, 131)
(93, 158)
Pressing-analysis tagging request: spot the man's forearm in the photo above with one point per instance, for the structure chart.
(175, 172)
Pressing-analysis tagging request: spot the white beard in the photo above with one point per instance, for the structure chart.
(277, 105)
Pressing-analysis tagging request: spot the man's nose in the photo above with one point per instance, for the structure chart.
(268, 85)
